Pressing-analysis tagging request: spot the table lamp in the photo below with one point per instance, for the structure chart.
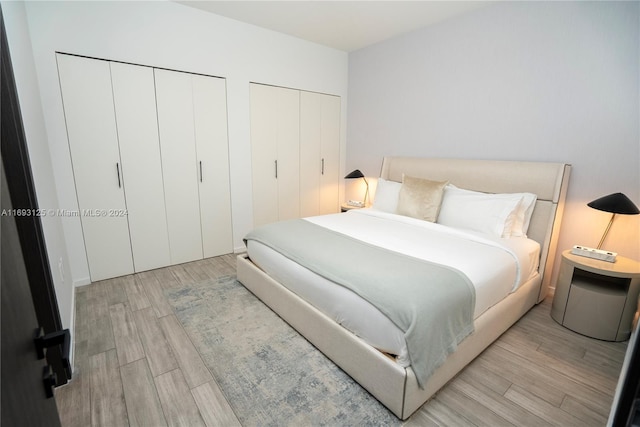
(357, 174)
(616, 203)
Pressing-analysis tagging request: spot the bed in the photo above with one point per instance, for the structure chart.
(403, 379)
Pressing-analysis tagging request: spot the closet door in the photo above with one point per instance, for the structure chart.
(319, 153)
(330, 155)
(135, 107)
(275, 147)
(310, 153)
(179, 164)
(93, 142)
(264, 148)
(210, 122)
(288, 153)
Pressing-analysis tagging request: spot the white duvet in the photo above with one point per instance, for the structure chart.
(495, 266)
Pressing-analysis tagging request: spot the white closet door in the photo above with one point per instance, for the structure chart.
(210, 120)
(275, 153)
(93, 141)
(135, 106)
(179, 165)
(288, 120)
(264, 152)
(330, 155)
(310, 153)
(319, 153)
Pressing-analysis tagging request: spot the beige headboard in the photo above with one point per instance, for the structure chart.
(547, 180)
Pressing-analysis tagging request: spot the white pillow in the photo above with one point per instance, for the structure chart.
(523, 215)
(386, 198)
(493, 214)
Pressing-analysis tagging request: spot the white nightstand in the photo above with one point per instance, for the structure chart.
(597, 298)
(346, 207)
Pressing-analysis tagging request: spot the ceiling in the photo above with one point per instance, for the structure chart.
(343, 25)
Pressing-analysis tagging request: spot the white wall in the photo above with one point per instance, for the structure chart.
(39, 155)
(170, 35)
(540, 81)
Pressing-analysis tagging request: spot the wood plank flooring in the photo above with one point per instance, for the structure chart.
(136, 366)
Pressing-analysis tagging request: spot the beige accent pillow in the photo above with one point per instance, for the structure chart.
(420, 198)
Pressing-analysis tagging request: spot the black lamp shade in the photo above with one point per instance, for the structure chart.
(355, 174)
(616, 203)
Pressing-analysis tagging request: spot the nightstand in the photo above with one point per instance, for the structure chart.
(346, 207)
(597, 298)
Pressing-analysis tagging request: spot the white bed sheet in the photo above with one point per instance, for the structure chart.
(467, 251)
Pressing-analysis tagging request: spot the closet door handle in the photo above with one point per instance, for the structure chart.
(200, 170)
(118, 173)
(276, 163)
(322, 173)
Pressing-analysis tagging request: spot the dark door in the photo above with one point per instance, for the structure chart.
(27, 296)
(24, 402)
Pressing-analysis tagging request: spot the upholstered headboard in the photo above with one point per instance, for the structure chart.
(547, 180)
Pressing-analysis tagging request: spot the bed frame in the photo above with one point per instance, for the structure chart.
(394, 386)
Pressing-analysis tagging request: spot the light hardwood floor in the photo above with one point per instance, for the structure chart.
(135, 365)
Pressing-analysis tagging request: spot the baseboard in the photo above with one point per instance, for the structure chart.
(82, 282)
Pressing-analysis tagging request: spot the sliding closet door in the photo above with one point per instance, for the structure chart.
(210, 122)
(93, 141)
(330, 155)
(135, 107)
(179, 164)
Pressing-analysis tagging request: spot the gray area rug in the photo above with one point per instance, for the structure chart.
(268, 372)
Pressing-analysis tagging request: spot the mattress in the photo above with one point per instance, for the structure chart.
(494, 273)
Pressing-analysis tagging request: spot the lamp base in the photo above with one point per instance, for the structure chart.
(594, 253)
